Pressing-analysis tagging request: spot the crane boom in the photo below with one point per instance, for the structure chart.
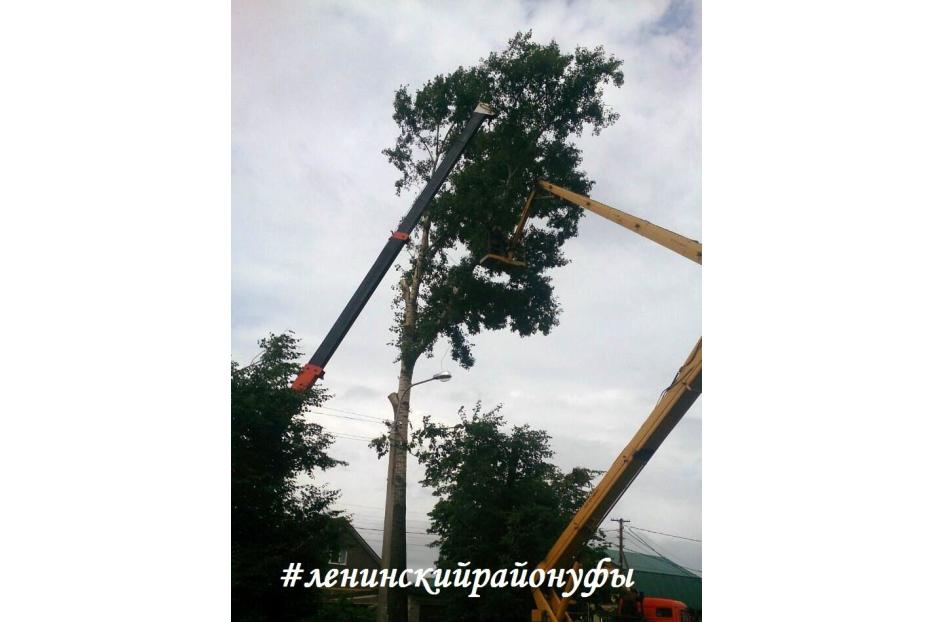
(691, 249)
(675, 401)
(310, 373)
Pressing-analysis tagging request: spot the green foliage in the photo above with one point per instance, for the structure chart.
(275, 518)
(543, 98)
(500, 501)
(343, 610)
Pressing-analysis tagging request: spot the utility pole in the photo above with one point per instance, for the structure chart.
(392, 603)
(623, 565)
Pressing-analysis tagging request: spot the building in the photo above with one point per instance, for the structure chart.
(354, 552)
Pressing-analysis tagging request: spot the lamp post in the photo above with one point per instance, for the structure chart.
(443, 376)
(392, 605)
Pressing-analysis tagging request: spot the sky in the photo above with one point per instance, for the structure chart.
(313, 203)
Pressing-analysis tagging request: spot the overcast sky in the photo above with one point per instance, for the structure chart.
(313, 203)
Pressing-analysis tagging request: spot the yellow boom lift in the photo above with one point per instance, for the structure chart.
(671, 407)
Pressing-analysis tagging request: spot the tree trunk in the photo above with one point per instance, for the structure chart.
(393, 603)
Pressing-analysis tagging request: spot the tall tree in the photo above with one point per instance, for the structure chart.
(543, 98)
(276, 519)
(500, 501)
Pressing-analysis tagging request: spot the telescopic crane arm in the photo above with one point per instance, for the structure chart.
(310, 373)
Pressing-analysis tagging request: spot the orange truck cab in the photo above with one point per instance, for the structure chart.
(651, 609)
(664, 610)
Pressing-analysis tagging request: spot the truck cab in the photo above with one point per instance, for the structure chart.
(652, 609)
(664, 610)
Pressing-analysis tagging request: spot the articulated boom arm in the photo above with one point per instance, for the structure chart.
(315, 367)
(691, 249)
(672, 406)
(674, 403)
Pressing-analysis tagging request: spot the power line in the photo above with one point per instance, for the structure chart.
(362, 439)
(662, 555)
(407, 544)
(669, 535)
(351, 412)
(377, 518)
(412, 511)
(660, 533)
(374, 523)
(360, 505)
(417, 414)
(636, 549)
(414, 533)
(318, 412)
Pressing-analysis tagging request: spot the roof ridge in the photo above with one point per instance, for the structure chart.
(655, 563)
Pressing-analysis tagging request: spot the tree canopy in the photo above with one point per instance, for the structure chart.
(276, 519)
(543, 97)
(499, 501)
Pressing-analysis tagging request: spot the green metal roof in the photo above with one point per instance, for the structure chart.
(656, 576)
(649, 563)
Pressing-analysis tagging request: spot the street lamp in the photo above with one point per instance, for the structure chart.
(393, 608)
(395, 398)
(443, 376)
